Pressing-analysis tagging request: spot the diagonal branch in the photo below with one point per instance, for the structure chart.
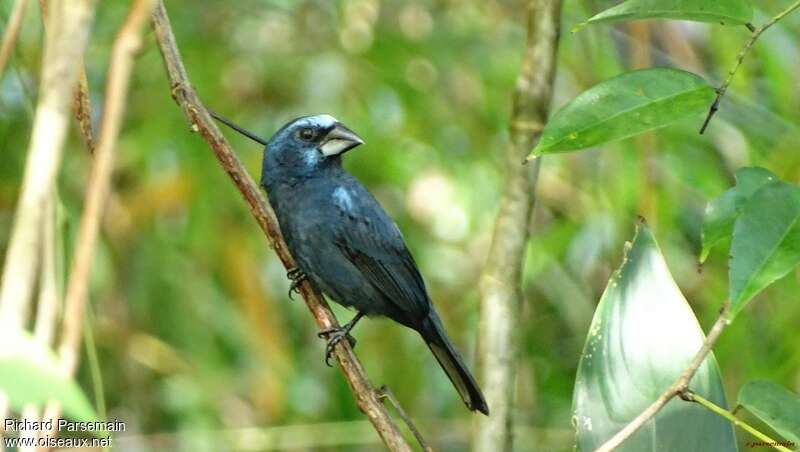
(501, 277)
(366, 396)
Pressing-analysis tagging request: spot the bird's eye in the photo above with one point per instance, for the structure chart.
(306, 134)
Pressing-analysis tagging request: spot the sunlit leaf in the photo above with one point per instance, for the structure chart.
(727, 12)
(775, 405)
(766, 241)
(642, 337)
(721, 213)
(623, 106)
(29, 373)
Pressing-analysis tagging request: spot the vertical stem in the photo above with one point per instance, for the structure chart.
(501, 276)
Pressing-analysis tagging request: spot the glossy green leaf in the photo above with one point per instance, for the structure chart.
(642, 337)
(727, 12)
(721, 213)
(766, 241)
(775, 405)
(30, 373)
(624, 106)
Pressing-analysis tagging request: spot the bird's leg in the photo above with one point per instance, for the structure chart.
(297, 276)
(335, 335)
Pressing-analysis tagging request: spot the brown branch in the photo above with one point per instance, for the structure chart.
(756, 33)
(197, 115)
(679, 386)
(501, 276)
(11, 32)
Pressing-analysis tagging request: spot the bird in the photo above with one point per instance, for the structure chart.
(345, 243)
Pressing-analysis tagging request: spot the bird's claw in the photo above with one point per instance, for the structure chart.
(297, 276)
(334, 336)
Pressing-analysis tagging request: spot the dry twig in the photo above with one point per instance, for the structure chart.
(197, 115)
(500, 280)
(679, 386)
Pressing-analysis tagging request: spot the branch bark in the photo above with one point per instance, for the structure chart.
(679, 386)
(196, 114)
(501, 276)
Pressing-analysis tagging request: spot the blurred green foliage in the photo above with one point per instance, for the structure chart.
(193, 329)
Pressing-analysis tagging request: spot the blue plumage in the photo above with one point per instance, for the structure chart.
(344, 241)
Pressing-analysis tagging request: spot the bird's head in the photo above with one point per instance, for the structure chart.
(305, 146)
(301, 148)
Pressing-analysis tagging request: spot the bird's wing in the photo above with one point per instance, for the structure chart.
(371, 241)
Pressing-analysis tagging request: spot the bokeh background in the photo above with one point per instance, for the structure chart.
(193, 341)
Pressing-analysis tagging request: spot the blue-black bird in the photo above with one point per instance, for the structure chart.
(345, 243)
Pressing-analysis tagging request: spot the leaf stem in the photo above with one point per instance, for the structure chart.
(756, 33)
(690, 396)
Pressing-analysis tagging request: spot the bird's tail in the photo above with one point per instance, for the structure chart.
(434, 335)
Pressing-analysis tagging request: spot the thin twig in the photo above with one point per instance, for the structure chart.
(690, 396)
(385, 393)
(756, 33)
(11, 32)
(680, 385)
(197, 115)
(500, 280)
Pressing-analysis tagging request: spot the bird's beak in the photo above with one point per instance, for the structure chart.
(338, 140)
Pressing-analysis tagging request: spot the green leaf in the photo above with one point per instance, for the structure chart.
(642, 337)
(30, 373)
(727, 12)
(623, 106)
(766, 241)
(721, 213)
(775, 405)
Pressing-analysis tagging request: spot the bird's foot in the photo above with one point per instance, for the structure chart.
(297, 277)
(335, 335)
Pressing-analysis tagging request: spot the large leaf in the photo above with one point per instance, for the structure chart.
(721, 213)
(642, 337)
(766, 241)
(726, 12)
(29, 373)
(775, 405)
(623, 106)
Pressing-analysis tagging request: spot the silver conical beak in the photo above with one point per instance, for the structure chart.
(339, 140)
